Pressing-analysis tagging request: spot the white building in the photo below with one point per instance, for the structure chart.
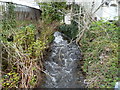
(101, 9)
(108, 11)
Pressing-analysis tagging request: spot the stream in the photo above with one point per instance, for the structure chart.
(61, 64)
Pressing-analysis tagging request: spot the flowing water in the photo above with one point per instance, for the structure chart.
(61, 64)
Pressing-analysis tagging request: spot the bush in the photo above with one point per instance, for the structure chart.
(9, 21)
(100, 49)
(24, 55)
(21, 56)
(52, 11)
(69, 30)
(10, 80)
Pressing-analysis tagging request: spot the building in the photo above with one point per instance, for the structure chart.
(108, 10)
(24, 10)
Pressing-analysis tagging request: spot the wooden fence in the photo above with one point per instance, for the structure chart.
(22, 12)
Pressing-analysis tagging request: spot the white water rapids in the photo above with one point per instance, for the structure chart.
(61, 64)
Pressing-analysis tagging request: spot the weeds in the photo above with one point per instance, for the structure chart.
(25, 54)
(100, 46)
(18, 56)
(69, 30)
(9, 20)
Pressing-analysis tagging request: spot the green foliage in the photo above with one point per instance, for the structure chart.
(27, 50)
(100, 49)
(25, 37)
(37, 47)
(69, 30)
(9, 20)
(33, 80)
(10, 80)
(72, 29)
(47, 31)
(51, 38)
(52, 11)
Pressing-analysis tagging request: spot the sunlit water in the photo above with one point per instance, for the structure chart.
(61, 64)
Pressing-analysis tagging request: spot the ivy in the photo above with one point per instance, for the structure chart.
(52, 11)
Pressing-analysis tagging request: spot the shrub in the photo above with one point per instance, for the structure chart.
(69, 30)
(52, 11)
(10, 80)
(9, 21)
(24, 55)
(100, 49)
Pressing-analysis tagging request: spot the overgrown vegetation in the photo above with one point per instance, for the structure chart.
(9, 20)
(69, 30)
(52, 11)
(100, 50)
(99, 43)
(23, 49)
(24, 44)
(24, 55)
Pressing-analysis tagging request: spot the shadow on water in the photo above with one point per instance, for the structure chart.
(61, 66)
